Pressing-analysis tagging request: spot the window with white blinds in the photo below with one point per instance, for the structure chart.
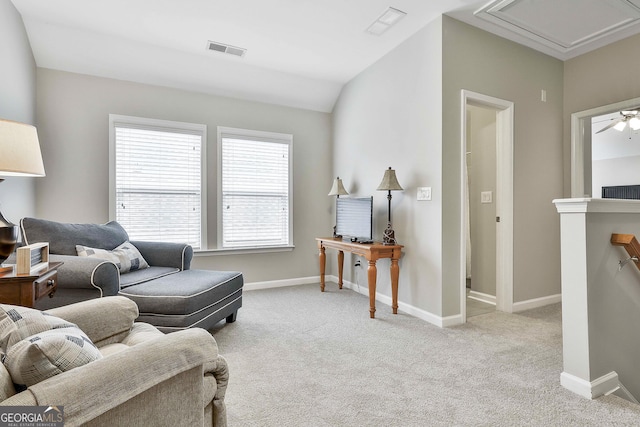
(157, 179)
(254, 189)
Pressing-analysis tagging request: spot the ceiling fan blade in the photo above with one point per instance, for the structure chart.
(610, 125)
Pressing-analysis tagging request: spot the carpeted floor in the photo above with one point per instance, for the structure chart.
(299, 357)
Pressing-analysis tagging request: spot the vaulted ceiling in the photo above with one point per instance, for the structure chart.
(298, 52)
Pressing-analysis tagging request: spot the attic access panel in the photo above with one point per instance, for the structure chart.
(562, 24)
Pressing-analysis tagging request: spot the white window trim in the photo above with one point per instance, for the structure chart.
(264, 136)
(169, 126)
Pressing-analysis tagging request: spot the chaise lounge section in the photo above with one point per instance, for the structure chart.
(100, 260)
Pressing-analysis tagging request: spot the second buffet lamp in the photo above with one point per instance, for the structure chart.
(389, 183)
(337, 190)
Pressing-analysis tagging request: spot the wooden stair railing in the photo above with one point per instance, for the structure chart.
(631, 245)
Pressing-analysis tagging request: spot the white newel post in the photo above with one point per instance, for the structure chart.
(588, 272)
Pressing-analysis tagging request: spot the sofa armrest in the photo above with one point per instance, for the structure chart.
(166, 254)
(87, 273)
(221, 374)
(93, 389)
(104, 320)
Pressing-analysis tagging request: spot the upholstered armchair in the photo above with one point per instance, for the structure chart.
(85, 277)
(141, 377)
(100, 260)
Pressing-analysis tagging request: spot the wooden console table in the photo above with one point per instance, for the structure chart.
(26, 289)
(371, 252)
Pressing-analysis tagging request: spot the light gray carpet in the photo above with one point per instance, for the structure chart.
(299, 357)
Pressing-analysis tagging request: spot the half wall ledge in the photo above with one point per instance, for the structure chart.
(600, 302)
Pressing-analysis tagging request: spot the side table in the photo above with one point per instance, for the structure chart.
(371, 252)
(26, 289)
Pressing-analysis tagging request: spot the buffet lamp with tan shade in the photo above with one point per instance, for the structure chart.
(337, 189)
(19, 156)
(389, 183)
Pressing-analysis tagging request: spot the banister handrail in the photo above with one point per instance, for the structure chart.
(631, 245)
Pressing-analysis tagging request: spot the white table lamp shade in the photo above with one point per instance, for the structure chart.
(19, 150)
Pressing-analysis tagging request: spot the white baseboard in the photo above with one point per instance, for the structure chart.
(479, 296)
(281, 283)
(604, 385)
(536, 302)
(441, 322)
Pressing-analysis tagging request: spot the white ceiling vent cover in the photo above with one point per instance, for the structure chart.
(225, 48)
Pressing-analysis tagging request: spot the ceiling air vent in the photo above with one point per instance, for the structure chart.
(225, 48)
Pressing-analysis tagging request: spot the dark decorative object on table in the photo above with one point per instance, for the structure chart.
(8, 238)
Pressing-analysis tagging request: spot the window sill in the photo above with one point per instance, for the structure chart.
(241, 251)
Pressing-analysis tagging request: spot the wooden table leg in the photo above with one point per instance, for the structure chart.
(340, 267)
(372, 273)
(395, 273)
(323, 261)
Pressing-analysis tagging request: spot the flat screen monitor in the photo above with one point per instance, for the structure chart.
(354, 217)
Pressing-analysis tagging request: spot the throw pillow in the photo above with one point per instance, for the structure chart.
(126, 256)
(36, 345)
(18, 323)
(47, 354)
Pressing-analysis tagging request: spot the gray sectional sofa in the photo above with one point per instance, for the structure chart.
(157, 276)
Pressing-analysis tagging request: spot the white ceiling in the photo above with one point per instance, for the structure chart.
(299, 52)
(612, 143)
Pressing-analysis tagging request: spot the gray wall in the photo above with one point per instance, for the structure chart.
(481, 62)
(17, 102)
(602, 77)
(404, 111)
(390, 116)
(613, 300)
(73, 112)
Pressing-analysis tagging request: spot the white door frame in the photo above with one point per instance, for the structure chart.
(581, 135)
(504, 199)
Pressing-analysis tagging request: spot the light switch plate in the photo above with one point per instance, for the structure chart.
(486, 197)
(424, 193)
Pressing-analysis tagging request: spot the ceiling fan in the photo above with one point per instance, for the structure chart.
(630, 117)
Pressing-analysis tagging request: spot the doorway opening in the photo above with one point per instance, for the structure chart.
(487, 263)
(481, 199)
(582, 159)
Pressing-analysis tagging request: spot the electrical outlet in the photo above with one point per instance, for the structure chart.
(424, 193)
(486, 197)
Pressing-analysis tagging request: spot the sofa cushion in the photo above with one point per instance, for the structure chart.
(126, 256)
(63, 237)
(187, 299)
(49, 353)
(146, 275)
